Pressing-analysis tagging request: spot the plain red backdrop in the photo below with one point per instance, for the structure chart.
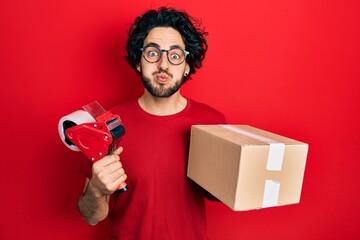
(287, 66)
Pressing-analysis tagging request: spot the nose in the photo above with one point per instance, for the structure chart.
(163, 62)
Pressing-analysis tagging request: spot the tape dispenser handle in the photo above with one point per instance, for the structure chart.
(123, 187)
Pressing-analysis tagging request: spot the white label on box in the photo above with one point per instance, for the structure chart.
(271, 194)
(275, 157)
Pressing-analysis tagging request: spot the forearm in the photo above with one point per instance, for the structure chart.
(107, 175)
(93, 206)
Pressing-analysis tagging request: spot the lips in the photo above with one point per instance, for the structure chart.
(162, 77)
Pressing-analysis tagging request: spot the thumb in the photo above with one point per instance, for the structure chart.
(117, 151)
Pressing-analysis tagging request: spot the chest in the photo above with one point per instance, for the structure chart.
(155, 152)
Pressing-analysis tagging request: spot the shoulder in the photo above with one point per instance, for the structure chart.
(202, 106)
(206, 113)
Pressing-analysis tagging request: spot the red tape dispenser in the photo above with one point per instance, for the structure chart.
(93, 131)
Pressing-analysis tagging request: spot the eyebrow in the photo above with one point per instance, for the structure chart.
(152, 44)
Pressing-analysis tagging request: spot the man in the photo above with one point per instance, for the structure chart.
(165, 47)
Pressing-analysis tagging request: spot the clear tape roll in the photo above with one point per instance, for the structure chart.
(76, 118)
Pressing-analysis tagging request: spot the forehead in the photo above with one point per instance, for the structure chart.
(165, 37)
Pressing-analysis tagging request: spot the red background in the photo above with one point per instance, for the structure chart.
(287, 66)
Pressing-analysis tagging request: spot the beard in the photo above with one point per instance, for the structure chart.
(159, 90)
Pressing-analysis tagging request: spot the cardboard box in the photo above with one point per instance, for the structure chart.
(245, 167)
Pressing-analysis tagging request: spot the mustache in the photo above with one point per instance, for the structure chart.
(164, 72)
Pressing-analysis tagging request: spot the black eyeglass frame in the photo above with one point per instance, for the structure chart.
(186, 53)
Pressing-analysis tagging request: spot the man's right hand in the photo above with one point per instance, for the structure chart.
(107, 174)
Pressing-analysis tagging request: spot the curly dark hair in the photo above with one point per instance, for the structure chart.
(188, 27)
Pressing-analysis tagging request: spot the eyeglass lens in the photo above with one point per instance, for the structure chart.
(153, 54)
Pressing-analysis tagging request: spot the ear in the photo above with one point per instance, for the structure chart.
(187, 70)
(138, 67)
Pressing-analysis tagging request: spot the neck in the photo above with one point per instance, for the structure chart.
(162, 106)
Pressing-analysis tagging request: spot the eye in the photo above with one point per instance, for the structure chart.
(175, 56)
(152, 54)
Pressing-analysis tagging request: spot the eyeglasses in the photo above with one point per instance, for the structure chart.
(153, 54)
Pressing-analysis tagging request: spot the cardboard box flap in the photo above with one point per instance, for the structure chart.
(246, 135)
(264, 137)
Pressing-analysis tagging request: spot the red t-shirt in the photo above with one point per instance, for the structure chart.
(161, 202)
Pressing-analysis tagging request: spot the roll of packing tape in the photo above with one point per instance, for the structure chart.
(73, 119)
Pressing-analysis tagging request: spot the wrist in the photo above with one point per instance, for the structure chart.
(94, 190)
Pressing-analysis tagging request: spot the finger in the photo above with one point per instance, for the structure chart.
(117, 151)
(109, 159)
(109, 175)
(112, 157)
(113, 181)
(114, 168)
(120, 180)
(116, 173)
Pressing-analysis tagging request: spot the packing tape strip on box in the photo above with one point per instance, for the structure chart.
(274, 163)
(76, 118)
